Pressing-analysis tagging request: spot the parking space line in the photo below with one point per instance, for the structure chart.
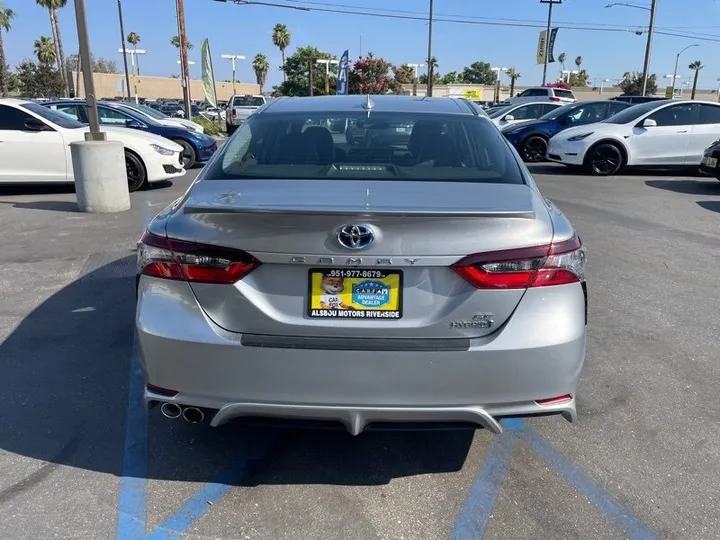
(478, 508)
(625, 520)
(132, 499)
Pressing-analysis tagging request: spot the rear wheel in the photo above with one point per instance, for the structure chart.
(230, 129)
(604, 159)
(189, 158)
(534, 149)
(135, 170)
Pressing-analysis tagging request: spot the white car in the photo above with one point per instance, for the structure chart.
(35, 147)
(543, 93)
(163, 118)
(667, 133)
(509, 115)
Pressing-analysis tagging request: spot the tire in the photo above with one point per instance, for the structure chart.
(135, 170)
(189, 156)
(534, 149)
(605, 159)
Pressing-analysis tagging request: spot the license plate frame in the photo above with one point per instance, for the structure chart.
(710, 162)
(361, 288)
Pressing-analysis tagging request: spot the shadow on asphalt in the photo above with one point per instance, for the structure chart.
(713, 206)
(690, 187)
(57, 206)
(64, 395)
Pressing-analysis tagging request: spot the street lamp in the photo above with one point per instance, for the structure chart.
(132, 53)
(327, 72)
(416, 68)
(497, 71)
(651, 28)
(677, 59)
(232, 58)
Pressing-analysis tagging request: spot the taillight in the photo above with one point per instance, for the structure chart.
(559, 263)
(555, 99)
(234, 112)
(168, 258)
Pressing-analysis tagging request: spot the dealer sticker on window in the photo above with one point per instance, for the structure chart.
(344, 293)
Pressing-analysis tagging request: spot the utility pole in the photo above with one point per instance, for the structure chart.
(648, 47)
(185, 68)
(430, 70)
(124, 51)
(550, 4)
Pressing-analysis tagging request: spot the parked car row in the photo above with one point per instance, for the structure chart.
(606, 137)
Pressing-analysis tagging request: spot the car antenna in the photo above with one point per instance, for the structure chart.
(368, 105)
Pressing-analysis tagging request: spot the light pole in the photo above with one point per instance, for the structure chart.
(497, 71)
(232, 58)
(677, 60)
(651, 28)
(132, 53)
(122, 40)
(416, 68)
(430, 69)
(567, 74)
(327, 72)
(550, 4)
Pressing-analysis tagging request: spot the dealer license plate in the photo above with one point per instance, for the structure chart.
(710, 162)
(354, 293)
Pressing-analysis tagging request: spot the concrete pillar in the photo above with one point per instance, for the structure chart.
(100, 176)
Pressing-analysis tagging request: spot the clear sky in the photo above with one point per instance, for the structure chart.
(603, 36)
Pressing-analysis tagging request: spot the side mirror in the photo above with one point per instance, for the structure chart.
(33, 124)
(509, 118)
(649, 122)
(134, 124)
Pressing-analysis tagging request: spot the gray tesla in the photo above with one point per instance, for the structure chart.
(409, 273)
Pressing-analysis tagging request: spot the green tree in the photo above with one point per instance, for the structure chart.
(53, 6)
(581, 78)
(404, 74)
(370, 75)
(281, 39)
(423, 79)
(297, 68)
(696, 66)
(450, 78)
(562, 59)
(6, 17)
(632, 83)
(578, 61)
(44, 50)
(514, 76)
(175, 40)
(99, 65)
(38, 80)
(260, 67)
(478, 73)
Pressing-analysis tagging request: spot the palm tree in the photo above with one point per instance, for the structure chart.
(52, 6)
(133, 39)
(697, 66)
(578, 61)
(281, 39)
(562, 59)
(176, 41)
(514, 76)
(44, 49)
(261, 66)
(6, 17)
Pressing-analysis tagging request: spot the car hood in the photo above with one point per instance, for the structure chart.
(597, 127)
(526, 125)
(133, 137)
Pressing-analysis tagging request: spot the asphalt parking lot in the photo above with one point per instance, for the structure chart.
(80, 458)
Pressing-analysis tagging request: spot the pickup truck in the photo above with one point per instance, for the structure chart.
(239, 109)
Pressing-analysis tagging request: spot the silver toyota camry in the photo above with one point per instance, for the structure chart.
(365, 261)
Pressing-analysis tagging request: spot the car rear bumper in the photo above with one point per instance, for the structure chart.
(537, 355)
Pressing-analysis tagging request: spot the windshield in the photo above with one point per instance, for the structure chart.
(248, 101)
(57, 118)
(498, 112)
(386, 146)
(633, 112)
(557, 113)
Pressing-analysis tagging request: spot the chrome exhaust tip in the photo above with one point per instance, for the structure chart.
(193, 415)
(171, 410)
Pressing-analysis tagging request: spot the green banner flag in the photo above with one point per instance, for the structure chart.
(208, 76)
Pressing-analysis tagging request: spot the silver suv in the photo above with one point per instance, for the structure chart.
(543, 93)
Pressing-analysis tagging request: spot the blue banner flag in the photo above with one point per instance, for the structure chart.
(342, 77)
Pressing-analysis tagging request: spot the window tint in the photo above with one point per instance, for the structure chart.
(632, 113)
(549, 107)
(55, 117)
(247, 101)
(592, 112)
(351, 146)
(70, 110)
(709, 114)
(616, 108)
(527, 112)
(498, 111)
(112, 116)
(12, 119)
(540, 92)
(563, 93)
(676, 115)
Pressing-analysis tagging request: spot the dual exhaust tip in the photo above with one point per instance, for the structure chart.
(193, 415)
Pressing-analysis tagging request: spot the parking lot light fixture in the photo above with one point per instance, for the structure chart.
(648, 47)
(677, 60)
(132, 53)
(327, 64)
(232, 58)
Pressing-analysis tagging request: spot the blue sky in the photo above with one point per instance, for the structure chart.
(247, 30)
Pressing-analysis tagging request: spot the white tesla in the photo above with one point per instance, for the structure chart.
(668, 133)
(35, 147)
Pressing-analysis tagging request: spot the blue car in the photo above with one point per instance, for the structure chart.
(197, 147)
(531, 138)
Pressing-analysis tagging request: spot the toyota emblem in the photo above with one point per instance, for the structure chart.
(355, 236)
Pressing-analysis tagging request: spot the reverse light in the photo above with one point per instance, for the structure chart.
(565, 398)
(580, 137)
(559, 263)
(167, 258)
(162, 150)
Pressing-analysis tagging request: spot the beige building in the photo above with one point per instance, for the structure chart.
(108, 85)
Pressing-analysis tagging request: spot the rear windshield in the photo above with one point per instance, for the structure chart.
(353, 146)
(248, 101)
(564, 93)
